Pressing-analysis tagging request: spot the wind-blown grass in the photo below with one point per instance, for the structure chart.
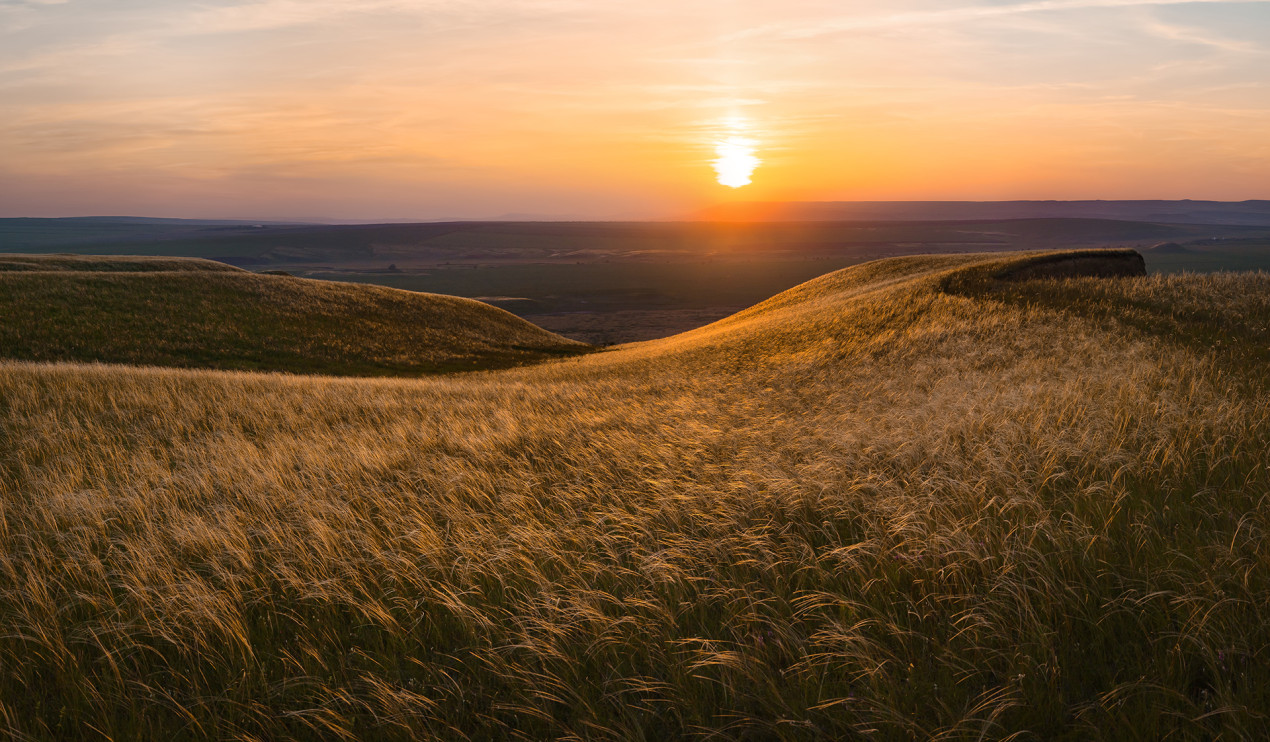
(868, 508)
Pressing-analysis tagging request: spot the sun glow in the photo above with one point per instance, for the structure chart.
(736, 161)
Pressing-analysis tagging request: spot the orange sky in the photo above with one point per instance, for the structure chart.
(381, 109)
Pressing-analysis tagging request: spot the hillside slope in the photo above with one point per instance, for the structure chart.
(910, 500)
(196, 313)
(108, 263)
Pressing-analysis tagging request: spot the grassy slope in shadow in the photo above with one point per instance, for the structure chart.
(197, 314)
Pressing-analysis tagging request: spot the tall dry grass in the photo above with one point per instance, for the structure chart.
(868, 509)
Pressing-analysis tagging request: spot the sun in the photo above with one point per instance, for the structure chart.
(736, 161)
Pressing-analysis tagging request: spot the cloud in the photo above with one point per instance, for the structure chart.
(1199, 37)
(16, 15)
(269, 14)
(804, 30)
(273, 14)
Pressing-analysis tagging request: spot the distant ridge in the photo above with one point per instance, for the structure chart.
(1227, 213)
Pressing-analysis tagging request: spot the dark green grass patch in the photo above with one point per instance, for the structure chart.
(238, 320)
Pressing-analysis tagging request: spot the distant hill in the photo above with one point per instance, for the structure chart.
(1241, 213)
(198, 314)
(112, 263)
(440, 245)
(32, 234)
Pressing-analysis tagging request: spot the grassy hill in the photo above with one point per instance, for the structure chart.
(202, 314)
(921, 498)
(10, 262)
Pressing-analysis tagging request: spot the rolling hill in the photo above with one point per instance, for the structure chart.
(942, 497)
(202, 314)
(57, 262)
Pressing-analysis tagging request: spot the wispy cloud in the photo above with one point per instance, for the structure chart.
(274, 14)
(823, 27)
(1200, 37)
(270, 14)
(18, 15)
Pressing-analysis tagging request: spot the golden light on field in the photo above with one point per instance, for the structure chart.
(736, 161)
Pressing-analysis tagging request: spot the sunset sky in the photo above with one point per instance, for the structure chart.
(394, 109)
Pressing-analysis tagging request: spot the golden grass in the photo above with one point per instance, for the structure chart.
(869, 508)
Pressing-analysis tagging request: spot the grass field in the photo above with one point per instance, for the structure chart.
(911, 499)
(202, 314)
